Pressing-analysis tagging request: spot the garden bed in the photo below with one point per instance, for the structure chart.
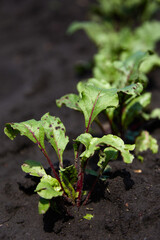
(37, 67)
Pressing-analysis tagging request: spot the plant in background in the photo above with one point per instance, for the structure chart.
(118, 45)
(68, 183)
(125, 56)
(127, 12)
(133, 101)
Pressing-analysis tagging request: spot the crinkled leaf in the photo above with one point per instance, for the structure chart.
(43, 205)
(133, 89)
(126, 94)
(145, 141)
(109, 140)
(84, 139)
(68, 178)
(134, 108)
(55, 134)
(31, 129)
(49, 187)
(107, 155)
(52, 181)
(33, 168)
(70, 100)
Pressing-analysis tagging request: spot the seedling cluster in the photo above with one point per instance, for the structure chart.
(117, 89)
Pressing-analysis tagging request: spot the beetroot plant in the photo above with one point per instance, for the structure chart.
(68, 182)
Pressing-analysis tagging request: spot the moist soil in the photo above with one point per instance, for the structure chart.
(37, 60)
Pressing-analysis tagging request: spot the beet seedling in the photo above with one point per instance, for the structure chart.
(68, 182)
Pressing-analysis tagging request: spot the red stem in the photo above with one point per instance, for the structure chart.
(89, 194)
(90, 118)
(80, 186)
(48, 159)
(82, 169)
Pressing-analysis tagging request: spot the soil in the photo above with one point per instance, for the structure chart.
(37, 60)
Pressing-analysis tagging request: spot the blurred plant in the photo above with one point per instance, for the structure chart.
(127, 118)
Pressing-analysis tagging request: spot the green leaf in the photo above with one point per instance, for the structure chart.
(33, 168)
(88, 216)
(109, 140)
(31, 129)
(49, 187)
(94, 101)
(155, 114)
(135, 108)
(145, 141)
(55, 134)
(132, 65)
(97, 32)
(115, 10)
(84, 139)
(43, 205)
(70, 100)
(133, 89)
(150, 63)
(140, 158)
(107, 155)
(68, 178)
(129, 68)
(101, 84)
(150, 29)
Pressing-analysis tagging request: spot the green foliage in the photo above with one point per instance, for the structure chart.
(91, 101)
(117, 89)
(43, 205)
(69, 178)
(33, 168)
(155, 114)
(107, 155)
(113, 10)
(119, 45)
(55, 134)
(69, 182)
(88, 216)
(108, 140)
(135, 108)
(145, 141)
(49, 187)
(31, 129)
(125, 56)
(48, 127)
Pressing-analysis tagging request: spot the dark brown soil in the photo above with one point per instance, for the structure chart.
(37, 62)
